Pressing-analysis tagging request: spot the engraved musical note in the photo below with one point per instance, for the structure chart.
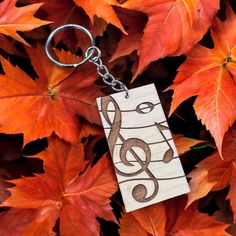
(145, 107)
(169, 154)
(139, 192)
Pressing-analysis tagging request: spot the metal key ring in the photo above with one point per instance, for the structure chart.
(57, 30)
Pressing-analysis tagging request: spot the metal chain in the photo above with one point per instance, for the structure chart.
(94, 55)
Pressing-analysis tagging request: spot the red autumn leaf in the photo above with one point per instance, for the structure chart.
(130, 226)
(4, 193)
(134, 22)
(170, 219)
(213, 173)
(191, 222)
(68, 12)
(184, 144)
(67, 190)
(209, 75)
(90, 129)
(147, 221)
(173, 27)
(51, 103)
(232, 229)
(232, 192)
(14, 221)
(13, 19)
(8, 46)
(102, 9)
(71, 12)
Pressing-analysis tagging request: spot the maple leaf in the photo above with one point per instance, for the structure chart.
(214, 174)
(232, 192)
(51, 103)
(8, 46)
(67, 190)
(15, 221)
(134, 22)
(129, 226)
(147, 221)
(164, 219)
(191, 222)
(103, 9)
(173, 26)
(209, 75)
(4, 193)
(184, 144)
(67, 12)
(90, 129)
(13, 19)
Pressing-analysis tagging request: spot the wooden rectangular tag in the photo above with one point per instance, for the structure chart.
(146, 162)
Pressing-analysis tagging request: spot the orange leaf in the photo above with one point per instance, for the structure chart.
(4, 193)
(213, 173)
(184, 144)
(191, 222)
(90, 129)
(232, 192)
(67, 190)
(103, 9)
(208, 74)
(13, 19)
(129, 226)
(8, 46)
(134, 22)
(173, 26)
(151, 220)
(17, 222)
(170, 218)
(51, 103)
(66, 12)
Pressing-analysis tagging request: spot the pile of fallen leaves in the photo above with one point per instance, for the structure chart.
(56, 176)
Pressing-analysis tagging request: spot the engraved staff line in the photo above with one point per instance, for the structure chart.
(169, 154)
(139, 192)
(134, 153)
(119, 162)
(163, 134)
(153, 143)
(137, 158)
(123, 140)
(140, 127)
(149, 173)
(138, 179)
(127, 110)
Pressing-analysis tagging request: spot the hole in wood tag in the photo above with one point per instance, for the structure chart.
(146, 162)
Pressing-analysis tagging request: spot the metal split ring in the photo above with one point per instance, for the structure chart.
(59, 29)
(93, 55)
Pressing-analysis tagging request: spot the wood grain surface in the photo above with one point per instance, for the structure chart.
(146, 162)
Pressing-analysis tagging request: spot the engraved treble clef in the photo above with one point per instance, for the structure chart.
(139, 192)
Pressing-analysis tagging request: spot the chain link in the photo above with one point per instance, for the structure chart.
(94, 56)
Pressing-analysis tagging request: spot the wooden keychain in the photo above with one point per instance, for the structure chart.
(144, 155)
